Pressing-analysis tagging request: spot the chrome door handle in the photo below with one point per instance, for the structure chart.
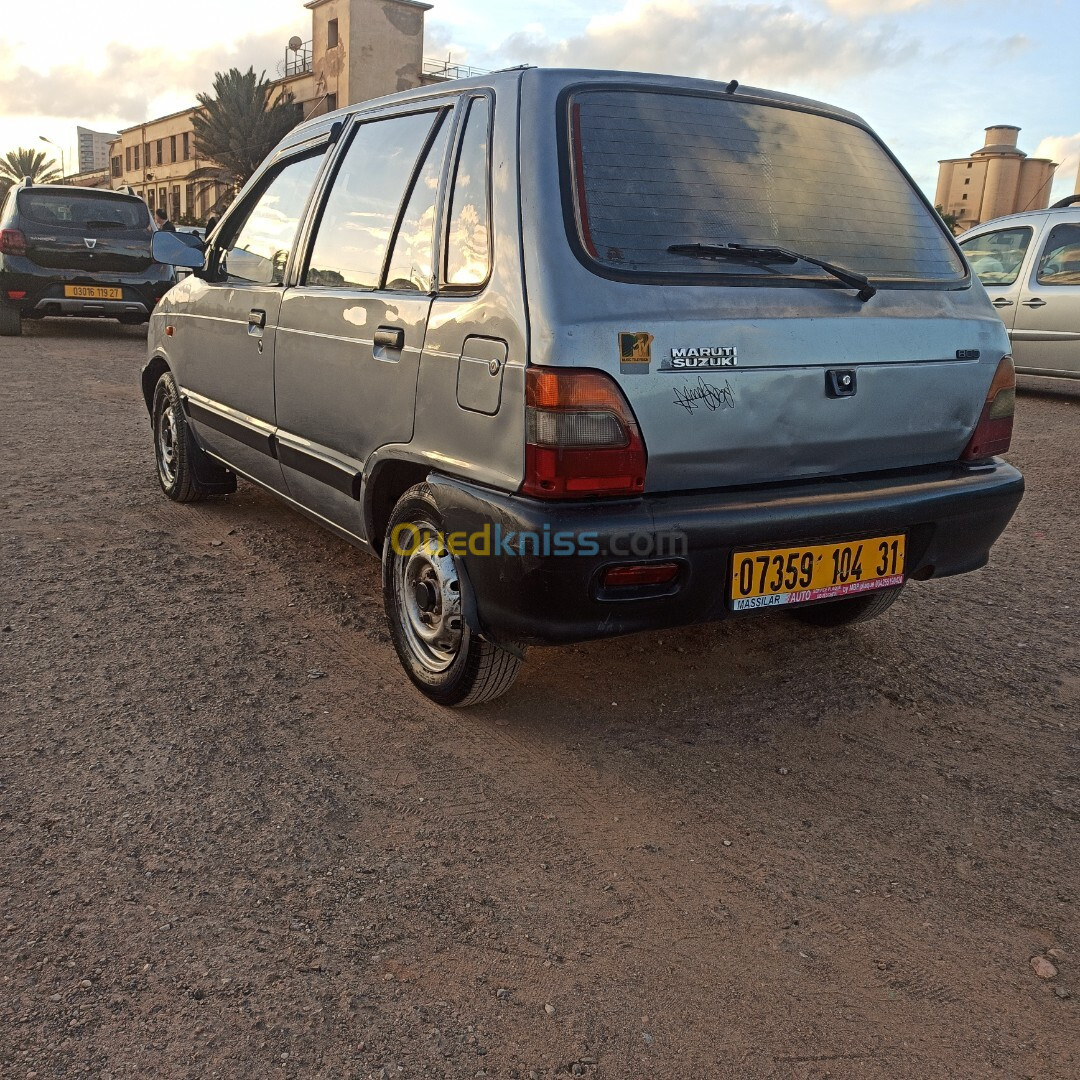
(390, 337)
(1001, 302)
(1033, 302)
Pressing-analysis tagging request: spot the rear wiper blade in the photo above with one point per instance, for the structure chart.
(104, 225)
(747, 253)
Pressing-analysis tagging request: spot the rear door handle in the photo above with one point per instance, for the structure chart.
(390, 337)
(256, 319)
(1033, 302)
(1001, 302)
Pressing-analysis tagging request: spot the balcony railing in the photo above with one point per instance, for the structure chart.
(297, 61)
(446, 69)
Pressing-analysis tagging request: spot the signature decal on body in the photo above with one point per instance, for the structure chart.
(708, 357)
(693, 396)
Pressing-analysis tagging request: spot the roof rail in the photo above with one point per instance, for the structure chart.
(1069, 200)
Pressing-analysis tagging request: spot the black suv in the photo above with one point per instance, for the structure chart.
(77, 252)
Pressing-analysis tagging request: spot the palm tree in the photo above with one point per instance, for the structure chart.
(16, 164)
(237, 125)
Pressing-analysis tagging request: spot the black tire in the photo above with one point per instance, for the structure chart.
(176, 453)
(854, 609)
(10, 322)
(439, 651)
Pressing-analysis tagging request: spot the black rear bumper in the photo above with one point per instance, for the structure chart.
(952, 515)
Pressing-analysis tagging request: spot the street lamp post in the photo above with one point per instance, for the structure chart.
(63, 167)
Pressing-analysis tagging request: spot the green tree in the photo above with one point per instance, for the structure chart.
(16, 164)
(951, 220)
(238, 126)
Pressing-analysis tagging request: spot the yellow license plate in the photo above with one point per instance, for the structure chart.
(92, 292)
(798, 575)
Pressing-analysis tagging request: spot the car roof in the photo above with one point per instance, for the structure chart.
(1028, 217)
(567, 77)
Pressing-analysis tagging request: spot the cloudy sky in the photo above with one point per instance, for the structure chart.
(929, 75)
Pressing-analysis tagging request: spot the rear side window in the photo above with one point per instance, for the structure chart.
(365, 200)
(83, 210)
(1060, 261)
(468, 240)
(259, 251)
(996, 257)
(651, 169)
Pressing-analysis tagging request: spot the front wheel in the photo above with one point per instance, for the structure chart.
(854, 609)
(440, 652)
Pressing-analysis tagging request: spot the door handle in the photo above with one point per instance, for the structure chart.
(390, 337)
(256, 318)
(1033, 302)
(1001, 302)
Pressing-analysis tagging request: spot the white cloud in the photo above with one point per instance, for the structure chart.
(858, 9)
(760, 43)
(1065, 150)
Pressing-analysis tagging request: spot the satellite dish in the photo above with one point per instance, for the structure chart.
(296, 43)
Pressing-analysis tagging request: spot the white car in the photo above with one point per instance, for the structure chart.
(1030, 266)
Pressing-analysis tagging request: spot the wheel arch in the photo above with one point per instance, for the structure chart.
(156, 366)
(389, 480)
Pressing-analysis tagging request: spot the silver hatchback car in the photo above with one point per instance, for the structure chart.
(585, 353)
(1030, 265)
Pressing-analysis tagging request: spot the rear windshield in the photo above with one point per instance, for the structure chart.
(83, 210)
(654, 169)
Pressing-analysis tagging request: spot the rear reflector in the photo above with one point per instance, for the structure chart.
(640, 574)
(12, 242)
(581, 436)
(16, 294)
(993, 432)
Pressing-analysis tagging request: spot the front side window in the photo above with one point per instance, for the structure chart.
(996, 257)
(468, 240)
(259, 250)
(365, 200)
(1060, 260)
(652, 170)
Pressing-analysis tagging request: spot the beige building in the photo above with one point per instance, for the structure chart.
(995, 180)
(359, 49)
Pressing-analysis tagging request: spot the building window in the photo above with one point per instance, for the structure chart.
(331, 34)
(127, 153)
(189, 199)
(150, 198)
(969, 164)
(964, 197)
(146, 156)
(174, 202)
(117, 166)
(172, 148)
(162, 195)
(160, 152)
(187, 145)
(967, 179)
(137, 158)
(331, 102)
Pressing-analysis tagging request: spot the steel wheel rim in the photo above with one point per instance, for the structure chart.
(429, 600)
(168, 451)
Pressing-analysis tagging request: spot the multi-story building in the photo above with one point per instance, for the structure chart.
(995, 180)
(93, 149)
(359, 49)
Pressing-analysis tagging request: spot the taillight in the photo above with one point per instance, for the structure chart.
(993, 432)
(581, 436)
(12, 242)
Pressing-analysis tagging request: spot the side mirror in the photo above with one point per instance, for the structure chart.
(168, 248)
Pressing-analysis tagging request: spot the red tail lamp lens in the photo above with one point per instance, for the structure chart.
(581, 436)
(993, 432)
(12, 242)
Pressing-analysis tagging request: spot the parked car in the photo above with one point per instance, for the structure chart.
(1030, 265)
(76, 252)
(580, 354)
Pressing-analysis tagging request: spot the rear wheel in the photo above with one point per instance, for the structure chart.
(855, 609)
(10, 322)
(440, 652)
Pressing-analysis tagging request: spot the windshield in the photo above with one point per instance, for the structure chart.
(84, 210)
(654, 170)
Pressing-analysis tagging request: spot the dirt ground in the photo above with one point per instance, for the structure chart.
(235, 842)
